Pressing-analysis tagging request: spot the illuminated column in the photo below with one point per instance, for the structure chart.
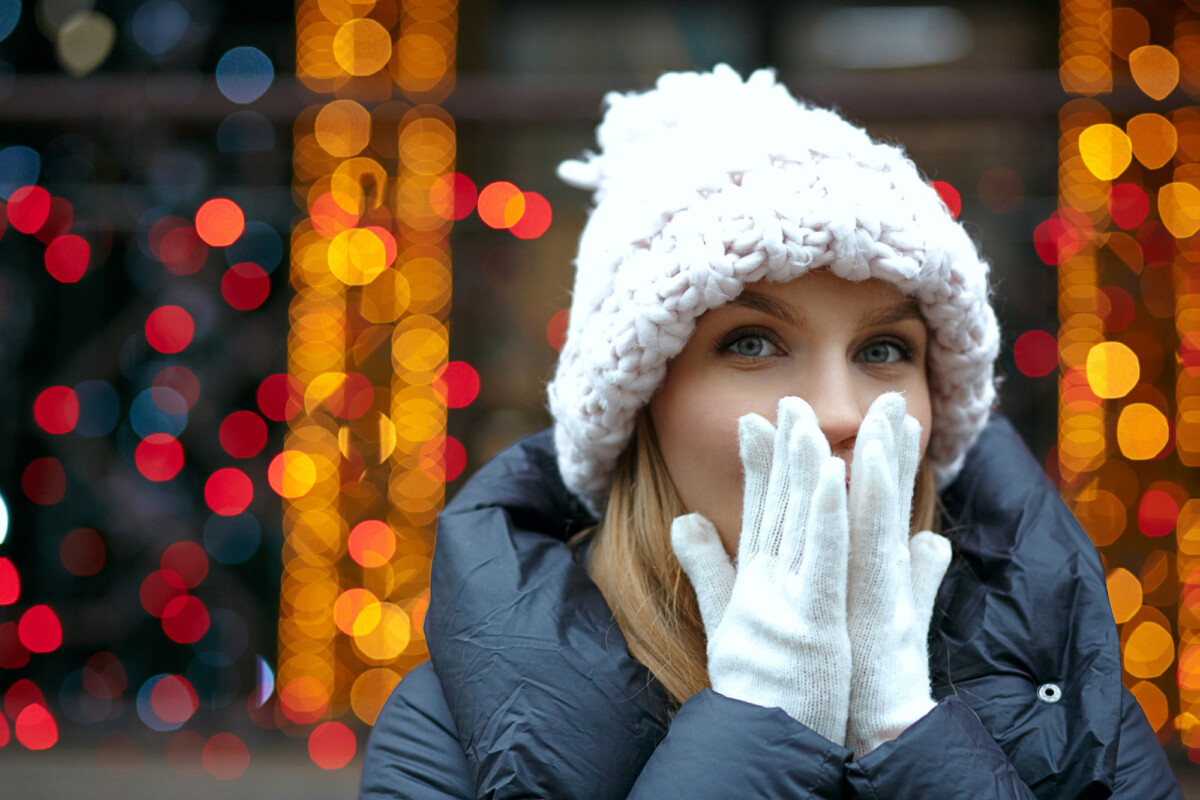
(1129, 309)
(362, 472)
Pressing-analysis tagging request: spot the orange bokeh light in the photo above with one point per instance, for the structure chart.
(220, 222)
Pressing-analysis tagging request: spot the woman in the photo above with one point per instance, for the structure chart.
(780, 348)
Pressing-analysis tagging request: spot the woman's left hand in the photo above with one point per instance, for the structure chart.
(892, 580)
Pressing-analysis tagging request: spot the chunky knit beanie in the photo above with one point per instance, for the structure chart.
(703, 186)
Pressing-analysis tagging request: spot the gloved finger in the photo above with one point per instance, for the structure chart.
(929, 558)
(877, 426)
(891, 407)
(908, 456)
(698, 547)
(772, 526)
(875, 529)
(808, 449)
(823, 564)
(756, 448)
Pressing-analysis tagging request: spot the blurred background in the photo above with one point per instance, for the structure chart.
(275, 278)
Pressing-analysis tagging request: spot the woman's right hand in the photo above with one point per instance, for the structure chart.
(776, 624)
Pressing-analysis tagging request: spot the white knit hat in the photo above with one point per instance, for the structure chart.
(705, 185)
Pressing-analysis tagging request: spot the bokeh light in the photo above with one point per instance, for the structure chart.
(159, 457)
(950, 197)
(243, 434)
(1142, 431)
(82, 552)
(84, 42)
(292, 474)
(226, 756)
(1106, 150)
(67, 258)
(40, 630)
(35, 728)
(10, 583)
(228, 491)
(169, 329)
(535, 217)
(44, 481)
(1155, 69)
(1112, 370)
(28, 208)
(500, 204)
(220, 221)
(244, 74)
(56, 409)
(332, 745)
(1035, 353)
(372, 543)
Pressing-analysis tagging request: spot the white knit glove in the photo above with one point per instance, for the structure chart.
(776, 625)
(893, 580)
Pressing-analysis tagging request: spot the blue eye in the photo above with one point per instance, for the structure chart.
(882, 353)
(752, 346)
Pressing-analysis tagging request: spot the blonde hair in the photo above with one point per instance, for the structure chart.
(632, 562)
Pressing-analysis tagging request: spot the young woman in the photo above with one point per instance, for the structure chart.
(716, 576)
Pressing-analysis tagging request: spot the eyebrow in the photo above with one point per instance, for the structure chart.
(900, 311)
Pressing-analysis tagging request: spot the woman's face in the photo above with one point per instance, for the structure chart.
(835, 343)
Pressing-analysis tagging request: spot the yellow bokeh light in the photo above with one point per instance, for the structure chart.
(385, 298)
(420, 349)
(1149, 650)
(1142, 431)
(292, 473)
(1106, 150)
(387, 637)
(1155, 70)
(343, 128)
(1153, 139)
(1179, 208)
(362, 47)
(370, 691)
(1124, 594)
(1112, 370)
(1153, 703)
(1101, 514)
(357, 256)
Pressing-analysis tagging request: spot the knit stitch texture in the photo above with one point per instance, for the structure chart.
(707, 184)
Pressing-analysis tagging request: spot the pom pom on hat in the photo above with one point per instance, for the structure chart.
(708, 183)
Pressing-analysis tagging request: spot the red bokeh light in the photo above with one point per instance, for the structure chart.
(1121, 309)
(104, 676)
(389, 242)
(1062, 235)
(245, 286)
(10, 583)
(169, 329)
(493, 204)
(1128, 205)
(950, 196)
(453, 196)
(175, 242)
(228, 491)
(13, 654)
(39, 630)
(35, 728)
(158, 589)
(188, 561)
(185, 754)
(44, 481)
(20, 695)
(185, 619)
(82, 552)
(243, 434)
(173, 699)
(1036, 353)
(28, 208)
(1157, 513)
(67, 258)
(226, 756)
(56, 409)
(443, 457)
(328, 218)
(556, 329)
(331, 745)
(5, 735)
(536, 219)
(159, 457)
(1157, 243)
(372, 543)
(280, 397)
(182, 380)
(458, 382)
(58, 220)
(220, 222)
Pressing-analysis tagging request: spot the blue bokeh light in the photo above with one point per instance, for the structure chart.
(99, 408)
(232, 540)
(259, 243)
(244, 74)
(10, 14)
(159, 409)
(19, 166)
(158, 25)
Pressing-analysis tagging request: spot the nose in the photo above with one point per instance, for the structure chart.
(834, 400)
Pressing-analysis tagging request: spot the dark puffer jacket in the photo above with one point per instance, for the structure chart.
(530, 692)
